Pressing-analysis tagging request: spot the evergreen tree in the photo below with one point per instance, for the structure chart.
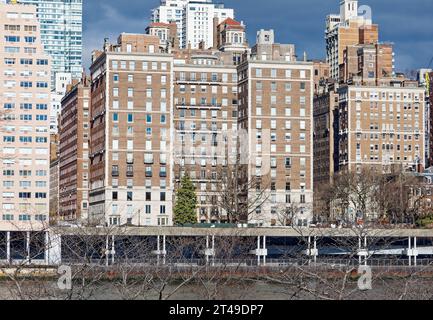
(186, 203)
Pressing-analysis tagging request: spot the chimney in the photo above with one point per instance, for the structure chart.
(106, 44)
(215, 33)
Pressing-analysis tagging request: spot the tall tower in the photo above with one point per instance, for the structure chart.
(348, 9)
(346, 29)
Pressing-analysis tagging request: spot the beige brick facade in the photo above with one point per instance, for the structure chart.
(24, 134)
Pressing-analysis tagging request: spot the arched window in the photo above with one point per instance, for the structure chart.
(235, 38)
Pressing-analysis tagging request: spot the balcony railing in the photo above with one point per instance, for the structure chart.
(199, 105)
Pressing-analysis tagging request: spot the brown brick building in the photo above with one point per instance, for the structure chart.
(368, 62)
(131, 131)
(74, 152)
(346, 29)
(205, 116)
(275, 111)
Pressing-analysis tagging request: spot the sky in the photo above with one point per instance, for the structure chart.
(406, 23)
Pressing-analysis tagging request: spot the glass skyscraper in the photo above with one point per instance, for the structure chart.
(61, 34)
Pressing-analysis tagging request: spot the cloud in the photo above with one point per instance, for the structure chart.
(110, 23)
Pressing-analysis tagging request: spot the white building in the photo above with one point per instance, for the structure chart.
(194, 19)
(61, 82)
(61, 34)
(198, 23)
(170, 10)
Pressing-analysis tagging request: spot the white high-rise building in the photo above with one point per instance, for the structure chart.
(170, 10)
(62, 81)
(198, 24)
(194, 19)
(61, 34)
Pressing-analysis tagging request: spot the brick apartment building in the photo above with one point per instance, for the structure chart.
(275, 110)
(74, 152)
(158, 112)
(24, 138)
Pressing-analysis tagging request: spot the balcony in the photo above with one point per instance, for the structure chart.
(198, 106)
(212, 81)
(130, 173)
(115, 173)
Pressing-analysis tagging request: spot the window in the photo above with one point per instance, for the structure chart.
(26, 61)
(41, 84)
(12, 38)
(26, 84)
(25, 195)
(302, 200)
(40, 195)
(9, 61)
(42, 62)
(30, 39)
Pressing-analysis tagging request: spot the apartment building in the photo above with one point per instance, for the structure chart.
(205, 122)
(194, 19)
(166, 32)
(199, 23)
(61, 25)
(131, 133)
(74, 153)
(429, 115)
(370, 62)
(54, 189)
(24, 138)
(276, 112)
(325, 118)
(62, 81)
(230, 36)
(321, 75)
(346, 29)
(171, 11)
(381, 125)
